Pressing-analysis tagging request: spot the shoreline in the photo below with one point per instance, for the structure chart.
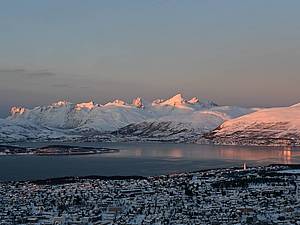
(73, 179)
(71, 142)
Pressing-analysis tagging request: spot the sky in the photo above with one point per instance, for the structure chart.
(232, 52)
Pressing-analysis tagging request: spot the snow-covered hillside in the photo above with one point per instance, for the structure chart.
(181, 126)
(274, 126)
(11, 131)
(64, 120)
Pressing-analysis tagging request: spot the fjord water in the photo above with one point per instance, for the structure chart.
(140, 159)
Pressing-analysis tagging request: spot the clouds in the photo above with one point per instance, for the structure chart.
(21, 72)
(5, 70)
(43, 73)
(61, 86)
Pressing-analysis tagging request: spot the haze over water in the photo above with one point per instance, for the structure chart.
(142, 159)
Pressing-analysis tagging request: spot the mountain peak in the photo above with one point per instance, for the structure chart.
(194, 100)
(137, 102)
(175, 100)
(119, 102)
(116, 102)
(61, 103)
(17, 110)
(157, 101)
(203, 102)
(85, 105)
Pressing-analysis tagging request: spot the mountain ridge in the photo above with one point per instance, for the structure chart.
(66, 120)
(172, 120)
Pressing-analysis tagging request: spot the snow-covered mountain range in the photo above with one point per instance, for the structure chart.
(175, 119)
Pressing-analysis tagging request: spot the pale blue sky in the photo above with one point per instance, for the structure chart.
(233, 52)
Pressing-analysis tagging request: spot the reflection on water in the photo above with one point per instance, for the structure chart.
(176, 153)
(285, 155)
(142, 159)
(138, 152)
(281, 155)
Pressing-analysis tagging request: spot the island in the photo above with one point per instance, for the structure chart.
(54, 150)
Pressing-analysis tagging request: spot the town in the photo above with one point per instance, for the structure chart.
(254, 195)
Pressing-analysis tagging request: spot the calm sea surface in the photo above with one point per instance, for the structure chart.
(141, 159)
